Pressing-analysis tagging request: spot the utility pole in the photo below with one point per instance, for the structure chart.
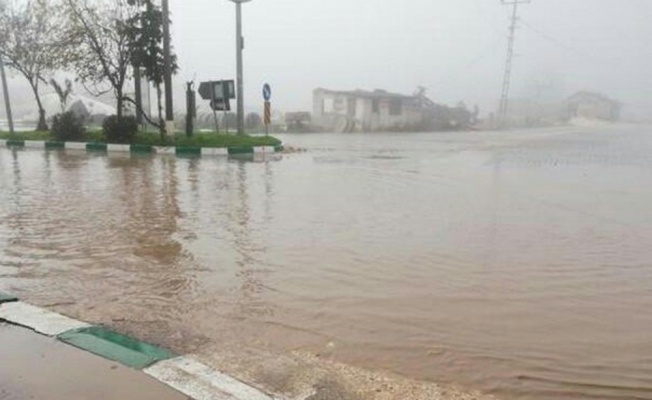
(503, 111)
(239, 45)
(5, 89)
(167, 61)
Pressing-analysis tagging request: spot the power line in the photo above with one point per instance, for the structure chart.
(507, 77)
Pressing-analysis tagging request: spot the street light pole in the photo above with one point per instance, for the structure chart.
(239, 45)
(167, 61)
(5, 89)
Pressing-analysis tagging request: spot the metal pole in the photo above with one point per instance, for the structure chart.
(167, 60)
(240, 74)
(239, 46)
(503, 112)
(5, 89)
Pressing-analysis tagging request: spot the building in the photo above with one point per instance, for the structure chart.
(367, 111)
(592, 105)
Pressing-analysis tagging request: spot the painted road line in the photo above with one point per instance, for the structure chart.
(54, 145)
(115, 346)
(241, 150)
(118, 147)
(3, 143)
(263, 149)
(208, 151)
(141, 149)
(38, 319)
(202, 382)
(164, 150)
(183, 150)
(15, 143)
(75, 146)
(35, 144)
(6, 298)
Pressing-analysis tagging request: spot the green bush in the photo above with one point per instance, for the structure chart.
(68, 127)
(121, 130)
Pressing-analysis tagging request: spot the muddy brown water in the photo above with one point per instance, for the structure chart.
(517, 263)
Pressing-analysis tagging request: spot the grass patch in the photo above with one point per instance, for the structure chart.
(214, 140)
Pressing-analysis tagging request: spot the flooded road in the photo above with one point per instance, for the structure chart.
(518, 263)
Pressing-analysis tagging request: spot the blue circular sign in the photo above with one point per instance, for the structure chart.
(267, 92)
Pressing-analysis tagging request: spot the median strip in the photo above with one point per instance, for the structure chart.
(202, 382)
(6, 298)
(140, 148)
(38, 319)
(115, 346)
(184, 374)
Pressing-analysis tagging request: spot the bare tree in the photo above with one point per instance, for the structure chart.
(30, 41)
(63, 91)
(101, 55)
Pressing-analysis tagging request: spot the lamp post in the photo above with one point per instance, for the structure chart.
(10, 120)
(167, 73)
(239, 45)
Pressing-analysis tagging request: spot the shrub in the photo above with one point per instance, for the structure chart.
(121, 130)
(68, 127)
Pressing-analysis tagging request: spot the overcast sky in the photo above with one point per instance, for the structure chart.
(455, 48)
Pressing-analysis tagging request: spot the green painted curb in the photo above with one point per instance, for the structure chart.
(141, 148)
(115, 346)
(96, 146)
(55, 145)
(188, 150)
(7, 298)
(15, 143)
(241, 150)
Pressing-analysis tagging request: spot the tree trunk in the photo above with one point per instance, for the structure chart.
(160, 110)
(42, 122)
(119, 104)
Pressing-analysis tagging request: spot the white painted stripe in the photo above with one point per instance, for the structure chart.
(164, 150)
(75, 146)
(206, 151)
(270, 149)
(3, 143)
(38, 319)
(35, 144)
(260, 150)
(202, 382)
(118, 147)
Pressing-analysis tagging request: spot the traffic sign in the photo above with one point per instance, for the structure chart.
(221, 105)
(211, 90)
(267, 92)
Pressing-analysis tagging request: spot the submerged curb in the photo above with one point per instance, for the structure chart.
(139, 149)
(184, 374)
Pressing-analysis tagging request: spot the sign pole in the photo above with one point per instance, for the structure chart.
(267, 114)
(5, 89)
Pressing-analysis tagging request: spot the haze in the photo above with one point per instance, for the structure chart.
(456, 49)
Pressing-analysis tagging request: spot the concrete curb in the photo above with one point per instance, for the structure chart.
(140, 149)
(184, 374)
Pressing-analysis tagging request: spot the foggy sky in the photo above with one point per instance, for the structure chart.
(455, 48)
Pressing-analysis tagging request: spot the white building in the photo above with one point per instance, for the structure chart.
(365, 111)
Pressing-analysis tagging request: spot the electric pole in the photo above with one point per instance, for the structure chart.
(167, 61)
(503, 111)
(5, 89)
(239, 45)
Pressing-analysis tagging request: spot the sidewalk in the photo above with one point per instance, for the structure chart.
(38, 367)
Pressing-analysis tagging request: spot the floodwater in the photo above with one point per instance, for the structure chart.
(516, 263)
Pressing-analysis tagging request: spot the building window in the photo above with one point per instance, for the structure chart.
(396, 107)
(375, 106)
